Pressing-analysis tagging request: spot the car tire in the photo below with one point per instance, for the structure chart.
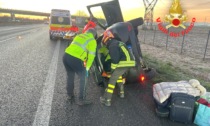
(51, 38)
(150, 73)
(131, 76)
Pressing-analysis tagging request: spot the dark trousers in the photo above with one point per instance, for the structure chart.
(74, 65)
(112, 82)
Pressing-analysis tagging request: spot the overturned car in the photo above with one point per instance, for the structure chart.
(124, 31)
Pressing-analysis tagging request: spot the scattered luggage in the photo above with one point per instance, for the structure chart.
(162, 109)
(202, 115)
(162, 112)
(182, 107)
(183, 101)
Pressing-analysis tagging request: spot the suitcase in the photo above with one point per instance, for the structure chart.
(162, 112)
(162, 109)
(182, 107)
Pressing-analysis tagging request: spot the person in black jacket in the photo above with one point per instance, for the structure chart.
(121, 61)
(125, 32)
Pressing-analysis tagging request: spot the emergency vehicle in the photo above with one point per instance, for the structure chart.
(60, 23)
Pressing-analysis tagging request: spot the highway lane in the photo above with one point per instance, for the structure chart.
(33, 89)
(24, 65)
(9, 31)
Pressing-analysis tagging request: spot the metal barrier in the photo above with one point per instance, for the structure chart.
(194, 44)
(206, 46)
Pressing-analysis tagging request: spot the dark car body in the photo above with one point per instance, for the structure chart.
(113, 14)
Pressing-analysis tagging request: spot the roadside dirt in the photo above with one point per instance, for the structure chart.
(196, 67)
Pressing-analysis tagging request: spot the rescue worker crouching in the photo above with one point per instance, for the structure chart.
(78, 58)
(125, 32)
(121, 61)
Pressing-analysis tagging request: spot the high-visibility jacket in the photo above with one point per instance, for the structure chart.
(83, 47)
(120, 55)
(105, 52)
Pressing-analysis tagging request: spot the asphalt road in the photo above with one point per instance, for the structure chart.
(33, 87)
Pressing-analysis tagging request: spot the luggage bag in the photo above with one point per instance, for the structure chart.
(182, 107)
(162, 109)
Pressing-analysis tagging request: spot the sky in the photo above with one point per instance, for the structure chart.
(200, 9)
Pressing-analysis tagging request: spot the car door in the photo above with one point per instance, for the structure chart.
(111, 11)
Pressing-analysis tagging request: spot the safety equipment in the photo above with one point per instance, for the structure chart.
(83, 47)
(104, 101)
(91, 30)
(90, 24)
(106, 36)
(129, 62)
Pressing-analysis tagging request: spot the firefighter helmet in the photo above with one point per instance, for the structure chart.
(106, 36)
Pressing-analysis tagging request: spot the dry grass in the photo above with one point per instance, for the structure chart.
(193, 45)
(191, 59)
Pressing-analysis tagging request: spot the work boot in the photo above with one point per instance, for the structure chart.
(121, 92)
(83, 102)
(104, 101)
(122, 95)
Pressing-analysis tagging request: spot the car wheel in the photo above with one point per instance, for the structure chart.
(131, 76)
(51, 38)
(150, 73)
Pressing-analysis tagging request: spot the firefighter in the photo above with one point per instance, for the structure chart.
(125, 32)
(78, 58)
(121, 61)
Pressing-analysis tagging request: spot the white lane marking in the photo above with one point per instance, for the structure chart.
(43, 112)
(6, 29)
(8, 39)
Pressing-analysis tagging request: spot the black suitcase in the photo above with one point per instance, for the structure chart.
(182, 107)
(162, 109)
(162, 112)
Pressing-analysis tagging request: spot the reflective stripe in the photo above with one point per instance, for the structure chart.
(78, 44)
(119, 80)
(93, 53)
(126, 63)
(111, 86)
(113, 66)
(126, 53)
(83, 46)
(110, 91)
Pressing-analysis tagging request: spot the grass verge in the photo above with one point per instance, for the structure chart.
(168, 73)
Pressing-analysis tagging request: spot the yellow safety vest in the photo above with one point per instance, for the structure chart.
(83, 47)
(105, 52)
